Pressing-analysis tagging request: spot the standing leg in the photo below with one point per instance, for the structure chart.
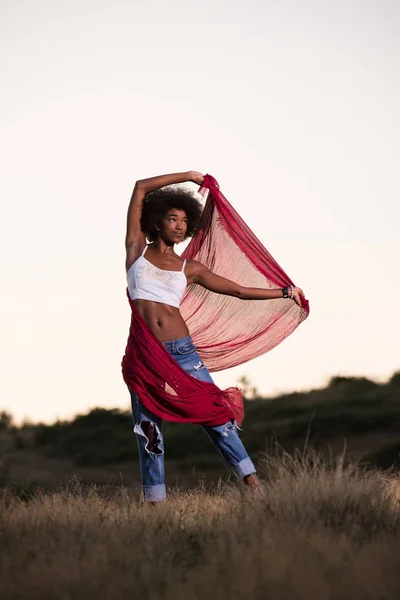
(147, 428)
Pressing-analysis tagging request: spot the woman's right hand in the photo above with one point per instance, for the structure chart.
(196, 177)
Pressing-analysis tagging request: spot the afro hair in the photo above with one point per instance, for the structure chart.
(156, 205)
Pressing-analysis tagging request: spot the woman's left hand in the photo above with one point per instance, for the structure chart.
(297, 292)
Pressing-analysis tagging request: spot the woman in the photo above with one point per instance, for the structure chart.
(157, 278)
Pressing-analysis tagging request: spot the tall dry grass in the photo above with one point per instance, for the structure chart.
(319, 531)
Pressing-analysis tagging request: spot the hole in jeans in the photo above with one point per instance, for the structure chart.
(152, 434)
(228, 428)
(199, 366)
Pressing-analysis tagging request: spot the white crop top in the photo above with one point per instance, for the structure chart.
(147, 282)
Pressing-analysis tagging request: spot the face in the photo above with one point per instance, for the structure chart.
(174, 226)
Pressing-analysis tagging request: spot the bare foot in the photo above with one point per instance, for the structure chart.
(252, 480)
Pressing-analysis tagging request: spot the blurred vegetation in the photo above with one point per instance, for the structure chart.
(101, 436)
(6, 420)
(350, 412)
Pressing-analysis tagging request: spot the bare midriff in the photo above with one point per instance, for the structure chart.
(165, 321)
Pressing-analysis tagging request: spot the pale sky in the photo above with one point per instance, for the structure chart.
(292, 105)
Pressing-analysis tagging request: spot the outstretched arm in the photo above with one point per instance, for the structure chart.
(135, 239)
(209, 280)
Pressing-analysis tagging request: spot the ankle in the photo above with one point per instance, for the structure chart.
(252, 480)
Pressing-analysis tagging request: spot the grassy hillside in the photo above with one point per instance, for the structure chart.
(316, 531)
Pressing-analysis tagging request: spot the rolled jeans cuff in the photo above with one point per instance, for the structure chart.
(243, 468)
(154, 493)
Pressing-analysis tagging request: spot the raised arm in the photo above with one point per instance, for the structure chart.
(135, 239)
(209, 280)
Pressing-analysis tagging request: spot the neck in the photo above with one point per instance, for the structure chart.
(162, 247)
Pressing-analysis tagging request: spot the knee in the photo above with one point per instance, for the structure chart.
(228, 429)
(151, 432)
(224, 431)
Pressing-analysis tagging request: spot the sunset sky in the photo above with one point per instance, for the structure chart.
(292, 106)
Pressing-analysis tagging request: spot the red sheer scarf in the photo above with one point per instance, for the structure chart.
(227, 331)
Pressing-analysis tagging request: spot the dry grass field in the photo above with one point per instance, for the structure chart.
(318, 531)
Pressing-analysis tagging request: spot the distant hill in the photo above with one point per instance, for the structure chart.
(350, 412)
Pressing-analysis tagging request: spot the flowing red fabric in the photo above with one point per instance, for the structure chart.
(227, 331)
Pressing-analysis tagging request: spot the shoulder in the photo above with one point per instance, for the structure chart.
(194, 265)
(193, 269)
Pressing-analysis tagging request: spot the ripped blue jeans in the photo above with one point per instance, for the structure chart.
(148, 430)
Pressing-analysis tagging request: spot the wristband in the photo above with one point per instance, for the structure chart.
(285, 292)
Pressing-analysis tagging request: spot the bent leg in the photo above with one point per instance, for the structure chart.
(228, 443)
(148, 430)
(224, 437)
